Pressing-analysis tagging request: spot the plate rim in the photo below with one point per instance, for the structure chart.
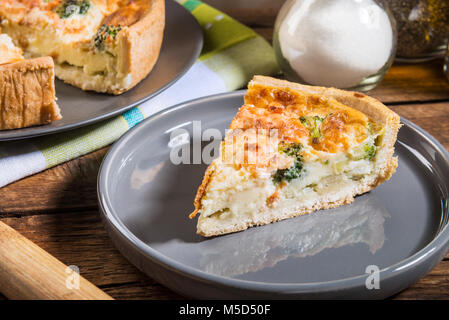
(106, 116)
(438, 245)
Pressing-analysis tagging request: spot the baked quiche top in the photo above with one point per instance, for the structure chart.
(277, 127)
(321, 124)
(74, 20)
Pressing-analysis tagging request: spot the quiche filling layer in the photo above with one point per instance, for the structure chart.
(82, 58)
(285, 148)
(82, 36)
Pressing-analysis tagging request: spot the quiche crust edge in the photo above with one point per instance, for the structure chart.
(27, 94)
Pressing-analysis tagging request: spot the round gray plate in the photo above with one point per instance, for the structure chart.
(401, 227)
(182, 44)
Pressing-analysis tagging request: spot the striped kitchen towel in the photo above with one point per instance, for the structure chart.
(232, 54)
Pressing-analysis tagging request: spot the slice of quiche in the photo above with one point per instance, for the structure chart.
(27, 91)
(293, 149)
(101, 45)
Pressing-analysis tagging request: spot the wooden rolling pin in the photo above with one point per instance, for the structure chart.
(29, 272)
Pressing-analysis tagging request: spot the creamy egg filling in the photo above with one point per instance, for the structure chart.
(66, 53)
(234, 193)
(9, 53)
(74, 53)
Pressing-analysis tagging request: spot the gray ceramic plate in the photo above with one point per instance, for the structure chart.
(182, 44)
(401, 227)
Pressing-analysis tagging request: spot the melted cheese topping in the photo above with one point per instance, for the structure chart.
(40, 14)
(282, 109)
(76, 27)
(9, 53)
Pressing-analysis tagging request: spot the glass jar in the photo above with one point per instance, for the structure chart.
(346, 44)
(423, 28)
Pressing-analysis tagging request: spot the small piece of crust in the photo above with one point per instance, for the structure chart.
(385, 162)
(27, 94)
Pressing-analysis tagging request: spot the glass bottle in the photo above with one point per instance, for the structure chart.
(347, 44)
(423, 28)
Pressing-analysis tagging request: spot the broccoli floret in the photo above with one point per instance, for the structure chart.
(288, 174)
(313, 124)
(315, 133)
(370, 151)
(365, 152)
(104, 33)
(84, 7)
(70, 7)
(291, 150)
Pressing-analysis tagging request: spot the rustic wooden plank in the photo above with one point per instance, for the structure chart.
(413, 82)
(69, 186)
(432, 117)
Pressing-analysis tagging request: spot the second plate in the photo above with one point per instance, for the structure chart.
(79, 108)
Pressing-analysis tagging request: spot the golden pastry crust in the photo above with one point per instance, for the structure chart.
(27, 94)
(278, 104)
(142, 44)
(202, 189)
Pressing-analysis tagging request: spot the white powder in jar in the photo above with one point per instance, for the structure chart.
(336, 42)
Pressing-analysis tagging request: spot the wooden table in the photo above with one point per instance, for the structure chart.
(57, 209)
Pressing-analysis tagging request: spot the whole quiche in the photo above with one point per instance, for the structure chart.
(101, 45)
